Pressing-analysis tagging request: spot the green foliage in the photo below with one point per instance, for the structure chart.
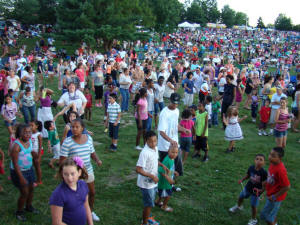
(47, 11)
(228, 16)
(296, 28)
(260, 23)
(283, 22)
(241, 18)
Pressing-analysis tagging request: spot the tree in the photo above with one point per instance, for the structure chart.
(241, 18)
(47, 11)
(296, 28)
(283, 22)
(228, 16)
(195, 14)
(260, 23)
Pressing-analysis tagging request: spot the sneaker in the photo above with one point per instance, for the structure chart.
(20, 216)
(100, 105)
(152, 221)
(271, 132)
(252, 222)
(254, 120)
(205, 159)
(95, 217)
(97, 105)
(259, 133)
(235, 208)
(265, 133)
(106, 130)
(176, 189)
(138, 148)
(31, 209)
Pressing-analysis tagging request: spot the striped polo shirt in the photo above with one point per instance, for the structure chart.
(70, 149)
(113, 110)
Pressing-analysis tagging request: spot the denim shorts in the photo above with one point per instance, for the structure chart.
(149, 196)
(279, 134)
(13, 122)
(158, 106)
(114, 131)
(270, 211)
(185, 143)
(27, 174)
(163, 193)
(254, 200)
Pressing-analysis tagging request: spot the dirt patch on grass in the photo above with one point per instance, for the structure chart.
(116, 180)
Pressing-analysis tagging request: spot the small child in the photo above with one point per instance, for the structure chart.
(233, 131)
(165, 180)
(216, 105)
(111, 89)
(277, 185)
(147, 169)
(201, 130)
(265, 112)
(70, 198)
(208, 109)
(88, 107)
(113, 119)
(186, 139)
(282, 120)
(37, 148)
(253, 189)
(254, 105)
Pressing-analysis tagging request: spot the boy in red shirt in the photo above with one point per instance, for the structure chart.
(88, 107)
(265, 112)
(276, 186)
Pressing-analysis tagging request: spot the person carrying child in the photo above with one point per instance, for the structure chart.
(165, 180)
(276, 185)
(69, 202)
(233, 131)
(113, 119)
(253, 189)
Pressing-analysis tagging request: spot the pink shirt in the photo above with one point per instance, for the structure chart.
(143, 109)
(80, 74)
(187, 124)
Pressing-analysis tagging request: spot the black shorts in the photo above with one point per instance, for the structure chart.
(295, 111)
(201, 143)
(98, 92)
(113, 131)
(27, 174)
(144, 124)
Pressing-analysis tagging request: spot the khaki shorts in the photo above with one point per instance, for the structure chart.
(91, 178)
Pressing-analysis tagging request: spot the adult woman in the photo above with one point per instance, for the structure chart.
(44, 111)
(267, 88)
(82, 145)
(296, 109)
(26, 102)
(170, 87)
(228, 96)
(125, 82)
(67, 79)
(97, 85)
(13, 82)
(29, 79)
(75, 96)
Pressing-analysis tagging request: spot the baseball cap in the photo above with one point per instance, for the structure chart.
(175, 98)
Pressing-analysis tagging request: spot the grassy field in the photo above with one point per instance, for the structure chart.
(208, 189)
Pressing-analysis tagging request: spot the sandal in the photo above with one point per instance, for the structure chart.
(167, 209)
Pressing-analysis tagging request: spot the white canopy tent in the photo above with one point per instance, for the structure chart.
(186, 25)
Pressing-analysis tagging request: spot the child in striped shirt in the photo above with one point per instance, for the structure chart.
(113, 120)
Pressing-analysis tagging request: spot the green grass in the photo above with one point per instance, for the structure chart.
(208, 189)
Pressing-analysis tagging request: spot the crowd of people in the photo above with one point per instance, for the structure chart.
(215, 69)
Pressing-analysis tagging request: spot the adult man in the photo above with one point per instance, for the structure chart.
(168, 128)
(275, 101)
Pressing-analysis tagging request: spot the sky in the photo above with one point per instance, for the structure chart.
(267, 9)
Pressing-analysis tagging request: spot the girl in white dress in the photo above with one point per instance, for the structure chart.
(233, 131)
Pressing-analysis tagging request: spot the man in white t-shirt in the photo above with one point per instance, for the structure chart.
(168, 128)
(275, 104)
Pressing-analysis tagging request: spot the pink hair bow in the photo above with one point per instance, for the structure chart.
(78, 161)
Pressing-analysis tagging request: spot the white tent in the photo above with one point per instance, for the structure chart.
(186, 25)
(196, 25)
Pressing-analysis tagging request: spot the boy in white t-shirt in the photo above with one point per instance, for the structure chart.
(147, 169)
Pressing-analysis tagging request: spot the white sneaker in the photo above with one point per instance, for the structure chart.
(138, 148)
(95, 217)
(252, 222)
(265, 133)
(259, 133)
(271, 132)
(254, 120)
(235, 208)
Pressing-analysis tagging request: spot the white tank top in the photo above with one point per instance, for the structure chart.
(35, 141)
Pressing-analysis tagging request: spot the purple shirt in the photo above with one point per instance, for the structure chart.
(72, 202)
(46, 102)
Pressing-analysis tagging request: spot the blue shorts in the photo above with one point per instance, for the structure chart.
(185, 143)
(27, 174)
(158, 106)
(163, 193)
(13, 122)
(254, 200)
(149, 196)
(114, 131)
(280, 134)
(270, 211)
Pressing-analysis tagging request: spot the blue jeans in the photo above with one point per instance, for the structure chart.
(214, 118)
(270, 211)
(254, 200)
(125, 99)
(149, 121)
(28, 110)
(159, 105)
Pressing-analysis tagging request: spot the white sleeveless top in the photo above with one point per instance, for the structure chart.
(35, 142)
